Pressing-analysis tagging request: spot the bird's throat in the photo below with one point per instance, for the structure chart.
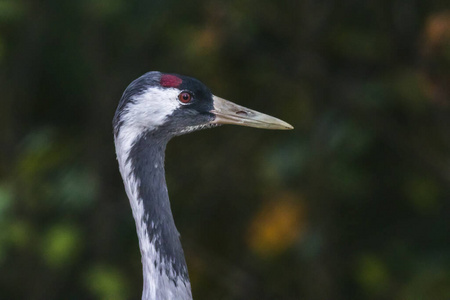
(164, 266)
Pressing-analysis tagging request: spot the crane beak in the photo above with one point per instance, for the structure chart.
(227, 112)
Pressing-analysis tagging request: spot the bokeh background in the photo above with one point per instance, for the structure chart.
(352, 204)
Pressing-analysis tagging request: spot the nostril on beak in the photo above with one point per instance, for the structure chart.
(242, 113)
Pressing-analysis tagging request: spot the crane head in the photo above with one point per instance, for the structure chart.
(176, 104)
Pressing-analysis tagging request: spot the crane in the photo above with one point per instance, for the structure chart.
(154, 108)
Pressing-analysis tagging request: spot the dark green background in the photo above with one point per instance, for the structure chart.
(352, 204)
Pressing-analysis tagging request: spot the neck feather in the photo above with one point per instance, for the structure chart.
(141, 163)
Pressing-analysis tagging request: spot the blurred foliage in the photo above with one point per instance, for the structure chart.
(276, 226)
(352, 204)
(107, 283)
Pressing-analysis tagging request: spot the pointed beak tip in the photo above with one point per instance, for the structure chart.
(280, 125)
(286, 127)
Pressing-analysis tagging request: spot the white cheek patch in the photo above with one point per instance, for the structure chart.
(145, 112)
(150, 109)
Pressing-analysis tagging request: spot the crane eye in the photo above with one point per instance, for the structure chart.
(185, 97)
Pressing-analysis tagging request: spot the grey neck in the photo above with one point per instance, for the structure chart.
(164, 266)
